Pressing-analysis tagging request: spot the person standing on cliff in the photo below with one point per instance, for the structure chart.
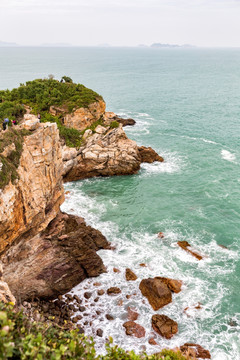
(5, 123)
(39, 117)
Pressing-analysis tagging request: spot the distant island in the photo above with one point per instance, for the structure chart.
(6, 44)
(160, 45)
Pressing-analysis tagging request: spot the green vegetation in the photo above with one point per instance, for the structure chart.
(40, 95)
(9, 163)
(22, 339)
(114, 124)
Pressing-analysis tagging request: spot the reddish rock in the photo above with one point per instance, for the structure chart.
(160, 235)
(130, 276)
(143, 265)
(99, 332)
(113, 291)
(185, 246)
(134, 329)
(116, 270)
(97, 284)
(195, 350)
(87, 295)
(173, 285)
(152, 341)
(120, 302)
(132, 315)
(164, 326)
(147, 154)
(157, 293)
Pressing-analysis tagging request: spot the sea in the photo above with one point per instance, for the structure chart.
(186, 103)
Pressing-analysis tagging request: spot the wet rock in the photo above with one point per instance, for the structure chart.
(120, 302)
(157, 293)
(149, 155)
(80, 330)
(53, 266)
(116, 270)
(101, 292)
(185, 246)
(113, 291)
(223, 246)
(109, 317)
(164, 326)
(124, 122)
(97, 284)
(132, 315)
(96, 299)
(160, 235)
(99, 332)
(130, 276)
(143, 265)
(152, 341)
(173, 285)
(82, 308)
(76, 298)
(134, 329)
(195, 350)
(98, 312)
(87, 295)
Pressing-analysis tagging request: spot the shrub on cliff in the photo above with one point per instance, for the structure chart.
(22, 339)
(40, 94)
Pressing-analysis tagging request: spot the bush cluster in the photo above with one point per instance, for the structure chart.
(22, 339)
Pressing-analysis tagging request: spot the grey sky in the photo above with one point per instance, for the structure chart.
(121, 22)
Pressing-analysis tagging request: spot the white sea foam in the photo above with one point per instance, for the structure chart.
(173, 162)
(227, 155)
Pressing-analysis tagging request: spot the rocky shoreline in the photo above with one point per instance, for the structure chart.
(45, 252)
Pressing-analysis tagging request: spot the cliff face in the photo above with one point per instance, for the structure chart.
(84, 117)
(31, 203)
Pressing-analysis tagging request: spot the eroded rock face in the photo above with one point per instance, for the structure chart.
(85, 117)
(156, 291)
(53, 262)
(105, 154)
(31, 203)
(173, 285)
(164, 326)
(134, 329)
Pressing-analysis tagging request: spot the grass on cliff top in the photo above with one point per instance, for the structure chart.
(9, 164)
(21, 339)
(40, 94)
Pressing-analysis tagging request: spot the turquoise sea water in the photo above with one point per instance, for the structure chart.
(187, 106)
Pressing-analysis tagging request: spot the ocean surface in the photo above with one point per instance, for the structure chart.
(187, 106)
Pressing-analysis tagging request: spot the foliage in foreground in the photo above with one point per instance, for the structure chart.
(22, 339)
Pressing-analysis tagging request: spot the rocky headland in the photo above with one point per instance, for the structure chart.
(44, 252)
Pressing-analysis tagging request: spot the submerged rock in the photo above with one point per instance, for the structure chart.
(164, 326)
(185, 246)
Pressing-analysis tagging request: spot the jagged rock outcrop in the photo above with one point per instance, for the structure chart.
(164, 326)
(84, 117)
(53, 262)
(33, 201)
(111, 116)
(105, 153)
(156, 291)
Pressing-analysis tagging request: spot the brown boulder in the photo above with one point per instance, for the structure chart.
(185, 246)
(164, 326)
(173, 285)
(148, 155)
(56, 260)
(195, 350)
(157, 293)
(130, 276)
(113, 291)
(152, 341)
(134, 329)
(125, 122)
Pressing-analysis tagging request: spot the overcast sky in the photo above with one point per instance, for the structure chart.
(121, 22)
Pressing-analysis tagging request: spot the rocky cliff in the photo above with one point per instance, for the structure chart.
(33, 201)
